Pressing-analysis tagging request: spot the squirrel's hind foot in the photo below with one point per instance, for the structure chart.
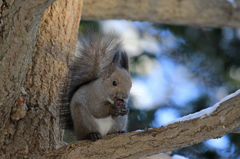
(120, 132)
(94, 136)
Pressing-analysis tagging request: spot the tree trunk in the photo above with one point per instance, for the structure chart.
(203, 13)
(29, 125)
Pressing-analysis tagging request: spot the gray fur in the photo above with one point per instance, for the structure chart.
(89, 94)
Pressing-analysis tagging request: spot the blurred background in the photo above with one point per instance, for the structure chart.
(176, 71)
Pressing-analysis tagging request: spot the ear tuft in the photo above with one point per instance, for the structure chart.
(116, 58)
(124, 61)
(121, 60)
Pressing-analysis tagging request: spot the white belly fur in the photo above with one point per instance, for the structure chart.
(104, 125)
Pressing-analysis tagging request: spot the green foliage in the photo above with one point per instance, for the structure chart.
(86, 25)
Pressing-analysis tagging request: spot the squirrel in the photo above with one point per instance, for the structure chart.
(94, 96)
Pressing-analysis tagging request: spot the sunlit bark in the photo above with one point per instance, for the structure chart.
(201, 13)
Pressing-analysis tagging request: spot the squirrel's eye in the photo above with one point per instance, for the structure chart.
(114, 83)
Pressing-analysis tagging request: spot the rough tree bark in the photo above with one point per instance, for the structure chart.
(223, 120)
(29, 125)
(203, 13)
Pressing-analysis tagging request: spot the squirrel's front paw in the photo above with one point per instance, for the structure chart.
(119, 108)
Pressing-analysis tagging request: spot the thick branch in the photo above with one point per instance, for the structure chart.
(214, 13)
(224, 119)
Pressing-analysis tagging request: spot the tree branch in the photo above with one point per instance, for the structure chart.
(214, 13)
(213, 122)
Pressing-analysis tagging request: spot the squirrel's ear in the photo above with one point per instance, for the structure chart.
(120, 59)
(110, 70)
(116, 58)
(124, 61)
(113, 65)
